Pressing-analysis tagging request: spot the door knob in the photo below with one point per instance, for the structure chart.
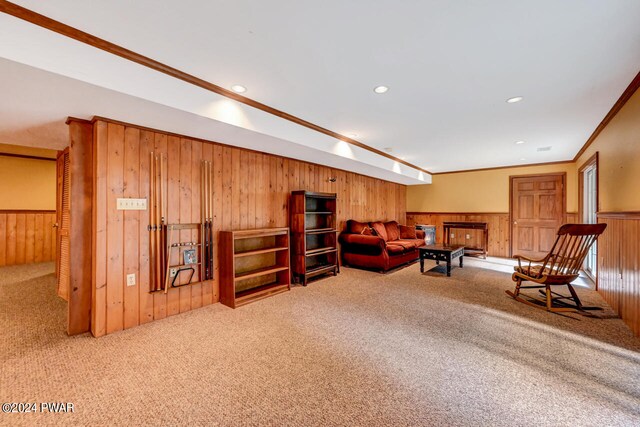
(515, 222)
(55, 225)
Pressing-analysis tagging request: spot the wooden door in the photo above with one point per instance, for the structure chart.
(537, 211)
(63, 219)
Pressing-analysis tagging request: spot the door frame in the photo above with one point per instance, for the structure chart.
(591, 161)
(535, 175)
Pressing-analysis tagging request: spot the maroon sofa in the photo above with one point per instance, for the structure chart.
(378, 245)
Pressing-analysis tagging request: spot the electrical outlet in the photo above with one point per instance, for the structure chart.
(173, 272)
(468, 236)
(453, 235)
(131, 279)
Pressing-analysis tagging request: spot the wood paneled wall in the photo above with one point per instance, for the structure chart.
(27, 237)
(250, 190)
(619, 266)
(498, 224)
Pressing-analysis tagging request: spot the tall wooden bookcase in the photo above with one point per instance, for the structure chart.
(314, 249)
(254, 264)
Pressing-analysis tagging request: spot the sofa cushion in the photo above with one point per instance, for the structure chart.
(395, 249)
(393, 232)
(407, 232)
(356, 227)
(380, 230)
(419, 242)
(407, 244)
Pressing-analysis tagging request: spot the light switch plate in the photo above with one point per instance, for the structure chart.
(131, 279)
(131, 204)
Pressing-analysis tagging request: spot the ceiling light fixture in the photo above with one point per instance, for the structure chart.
(514, 99)
(519, 142)
(238, 89)
(380, 89)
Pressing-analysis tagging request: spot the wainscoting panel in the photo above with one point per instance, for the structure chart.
(27, 237)
(498, 224)
(619, 265)
(250, 190)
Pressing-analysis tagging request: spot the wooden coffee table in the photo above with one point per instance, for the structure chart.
(441, 253)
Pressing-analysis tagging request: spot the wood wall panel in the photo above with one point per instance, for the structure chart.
(80, 225)
(619, 267)
(27, 237)
(498, 224)
(572, 218)
(250, 190)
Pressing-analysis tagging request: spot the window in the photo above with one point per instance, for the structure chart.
(589, 207)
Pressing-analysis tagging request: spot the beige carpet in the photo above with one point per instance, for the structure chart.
(360, 349)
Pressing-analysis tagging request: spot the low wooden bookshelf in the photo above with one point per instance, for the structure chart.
(254, 264)
(314, 236)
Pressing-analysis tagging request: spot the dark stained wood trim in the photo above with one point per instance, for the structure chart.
(619, 215)
(25, 211)
(626, 95)
(504, 167)
(71, 119)
(457, 213)
(91, 40)
(564, 200)
(24, 156)
(206, 141)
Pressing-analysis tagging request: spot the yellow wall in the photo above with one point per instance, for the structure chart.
(618, 146)
(27, 184)
(481, 191)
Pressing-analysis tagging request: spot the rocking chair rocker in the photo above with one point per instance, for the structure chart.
(560, 266)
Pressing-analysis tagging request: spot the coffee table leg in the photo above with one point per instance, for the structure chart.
(448, 266)
(461, 256)
(421, 264)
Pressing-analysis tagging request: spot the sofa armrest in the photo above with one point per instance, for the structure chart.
(360, 242)
(420, 234)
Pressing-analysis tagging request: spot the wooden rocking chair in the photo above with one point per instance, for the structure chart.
(560, 266)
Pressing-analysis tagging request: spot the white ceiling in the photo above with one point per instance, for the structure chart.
(450, 66)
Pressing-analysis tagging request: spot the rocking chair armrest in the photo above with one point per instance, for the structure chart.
(522, 257)
(527, 271)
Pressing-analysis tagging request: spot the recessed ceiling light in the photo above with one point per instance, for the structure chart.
(238, 89)
(380, 89)
(522, 159)
(388, 149)
(514, 99)
(519, 142)
(352, 135)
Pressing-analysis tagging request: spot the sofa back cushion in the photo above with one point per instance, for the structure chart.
(380, 230)
(356, 227)
(393, 231)
(407, 232)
